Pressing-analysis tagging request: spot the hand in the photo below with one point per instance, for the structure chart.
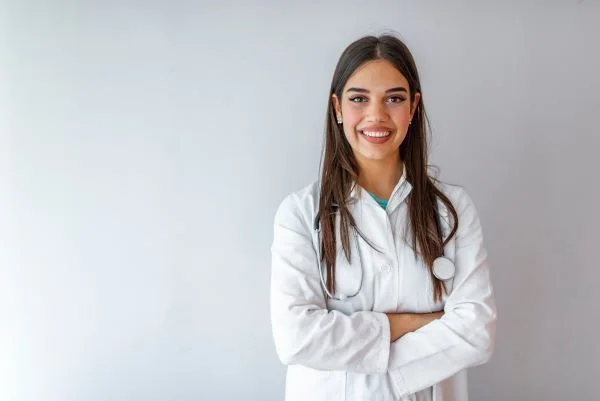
(402, 323)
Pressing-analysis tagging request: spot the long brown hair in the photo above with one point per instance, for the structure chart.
(339, 168)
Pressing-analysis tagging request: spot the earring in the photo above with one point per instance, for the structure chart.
(339, 120)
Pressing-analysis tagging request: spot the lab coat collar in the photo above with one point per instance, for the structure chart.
(399, 194)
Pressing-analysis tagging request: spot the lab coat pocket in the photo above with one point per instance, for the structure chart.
(306, 382)
(369, 387)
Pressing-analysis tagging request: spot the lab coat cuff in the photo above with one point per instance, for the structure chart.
(399, 384)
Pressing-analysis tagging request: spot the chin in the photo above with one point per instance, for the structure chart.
(375, 156)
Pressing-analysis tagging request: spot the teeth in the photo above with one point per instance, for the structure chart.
(376, 134)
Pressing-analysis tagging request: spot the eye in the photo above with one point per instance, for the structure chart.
(396, 99)
(358, 99)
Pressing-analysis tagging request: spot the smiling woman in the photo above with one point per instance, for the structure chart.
(414, 307)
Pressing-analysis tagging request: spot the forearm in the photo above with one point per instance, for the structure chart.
(402, 323)
(331, 340)
(440, 349)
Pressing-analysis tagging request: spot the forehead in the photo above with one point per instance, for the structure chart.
(376, 75)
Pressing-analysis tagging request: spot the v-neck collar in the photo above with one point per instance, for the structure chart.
(399, 194)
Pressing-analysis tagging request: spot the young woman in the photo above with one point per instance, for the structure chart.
(380, 287)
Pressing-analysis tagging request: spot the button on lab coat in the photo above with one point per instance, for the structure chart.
(341, 350)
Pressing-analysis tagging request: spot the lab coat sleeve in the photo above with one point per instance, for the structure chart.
(464, 336)
(305, 332)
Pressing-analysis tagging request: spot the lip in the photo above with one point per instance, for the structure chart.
(377, 128)
(374, 139)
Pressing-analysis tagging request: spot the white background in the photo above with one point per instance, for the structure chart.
(144, 148)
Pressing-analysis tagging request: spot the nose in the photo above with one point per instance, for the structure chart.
(376, 112)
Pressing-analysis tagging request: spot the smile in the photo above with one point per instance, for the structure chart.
(375, 134)
(376, 137)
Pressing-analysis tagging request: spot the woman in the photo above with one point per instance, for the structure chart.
(380, 287)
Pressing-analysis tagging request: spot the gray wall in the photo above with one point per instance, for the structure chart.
(144, 147)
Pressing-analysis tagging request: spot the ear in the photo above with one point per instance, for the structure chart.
(414, 104)
(336, 105)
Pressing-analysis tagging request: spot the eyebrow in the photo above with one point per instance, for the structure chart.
(361, 90)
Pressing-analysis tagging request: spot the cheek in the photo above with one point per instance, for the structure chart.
(352, 116)
(402, 113)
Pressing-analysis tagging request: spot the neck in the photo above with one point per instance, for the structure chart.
(380, 176)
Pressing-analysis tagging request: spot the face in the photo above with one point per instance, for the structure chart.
(375, 108)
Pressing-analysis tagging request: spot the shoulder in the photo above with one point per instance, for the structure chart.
(298, 209)
(468, 217)
(458, 196)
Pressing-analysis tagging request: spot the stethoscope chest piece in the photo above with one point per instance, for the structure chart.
(443, 268)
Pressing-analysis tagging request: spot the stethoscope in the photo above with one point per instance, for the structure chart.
(443, 268)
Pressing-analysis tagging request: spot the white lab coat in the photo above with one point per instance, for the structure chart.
(340, 350)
